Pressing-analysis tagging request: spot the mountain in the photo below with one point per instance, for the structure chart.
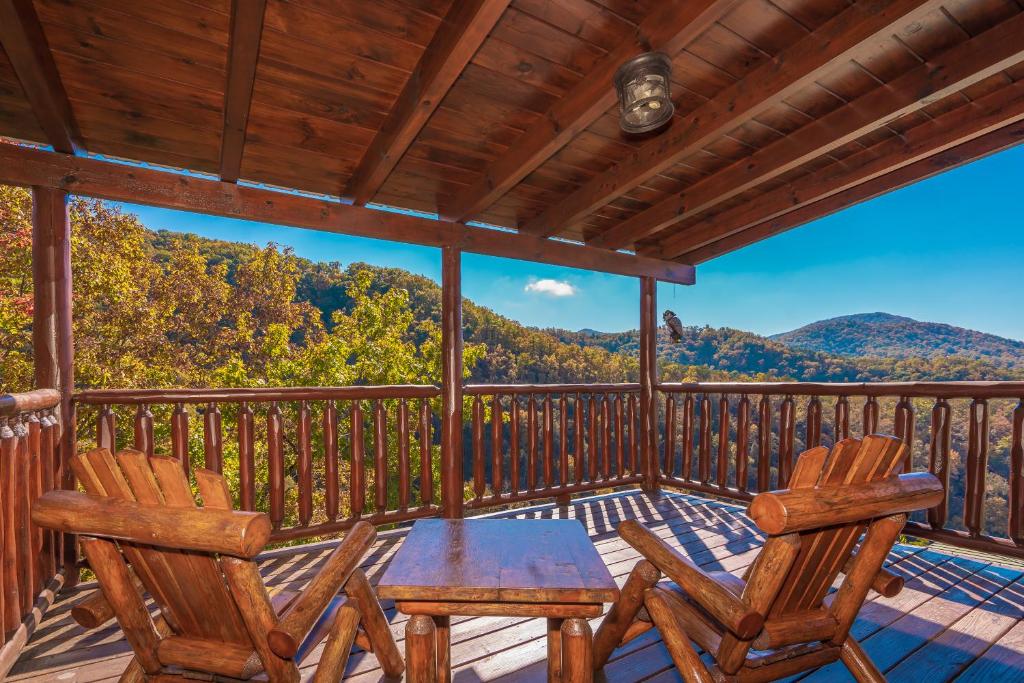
(892, 336)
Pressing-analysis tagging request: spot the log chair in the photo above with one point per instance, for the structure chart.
(143, 534)
(780, 619)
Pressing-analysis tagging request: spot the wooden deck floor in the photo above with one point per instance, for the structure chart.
(958, 617)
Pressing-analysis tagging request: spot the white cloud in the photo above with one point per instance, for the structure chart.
(558, 288)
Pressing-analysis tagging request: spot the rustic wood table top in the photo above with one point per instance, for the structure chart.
(498, 560)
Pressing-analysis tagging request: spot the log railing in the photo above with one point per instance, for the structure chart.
(737, 439)
(315, 459)
(31, 559)
(551, 440)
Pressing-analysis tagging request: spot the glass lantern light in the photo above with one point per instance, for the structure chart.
(642, 83)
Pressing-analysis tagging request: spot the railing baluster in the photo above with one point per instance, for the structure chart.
(47, 459)
(870, 422)
(578, 457)
(275, 464)
(179, 436)
(106, 429)
(787, 428)
(686, 437)
(549, 428)
(35, 481)
(304, 465)
(426, 455)
(633, 441)
(8, 504)
(704, 440)
(742, 441)
(21, 486)
(723, 442)
(380, 456)
(213, 441)
(813, 431)
(670, 435)
(1015, 523)
(144, 429)
(938, 460)
(513, 444)
(531, 443)
(591, 439)
(329, 426)
(842, 423)
(246, 463)
(497, 485)
(903, 426)
(764, 448)
(357, 472)
(563, 440)
(606, 438)
(619, 460)
(479, 485)
(403, 454)
(977, 466)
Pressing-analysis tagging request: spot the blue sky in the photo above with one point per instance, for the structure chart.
(949, 249)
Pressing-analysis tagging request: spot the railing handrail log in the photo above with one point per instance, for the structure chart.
(255, 394)
(520, 389)
(986, 390)
(39, 399)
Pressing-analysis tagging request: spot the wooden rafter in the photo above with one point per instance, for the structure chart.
(454, 44)
(953, 70)
(995, 110)
(979, 147)
(121, 182)
(243, 54)
(771, 83)
(669, 29)
(23, 40)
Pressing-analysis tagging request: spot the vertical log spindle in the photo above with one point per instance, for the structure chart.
(606, 438)
(812, 436)
(549, 429)
(380, 456)
(563, 440)
(513, 445)
(531, 443)
(977, 466)
(1015, 522)
(704, 440)
(106, 429)
(144, 429)
(870, 421)
(578, 420)
(722, 466)
(213, 440)
(764, 448)
(686, 438)
(479, 485)
(634, 442)
(842, 423)
(592, 439)
(426, 455)
(246, 461)
(938, 460)
(403, 454)
(497, 484)
(742, 441)
(670, 435)
(179, 436)
(275, 464)
(304, 464)
(619, 457)
(357, 477)
(329, 425)
(787, 429)
(903, 426)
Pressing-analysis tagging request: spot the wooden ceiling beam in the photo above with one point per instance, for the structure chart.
(955, 69)
(670, 28)
(85, 176)
(767, 85)
(985, 145)
(991, 112)
(457, 39)
(243, 54)
(23, 40)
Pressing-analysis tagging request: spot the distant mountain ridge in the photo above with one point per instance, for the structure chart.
(892, 336)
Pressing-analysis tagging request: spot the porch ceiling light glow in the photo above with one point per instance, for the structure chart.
(642, 83)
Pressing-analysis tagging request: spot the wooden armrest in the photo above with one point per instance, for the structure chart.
(719, 601)
(786, 511)
(302, 615)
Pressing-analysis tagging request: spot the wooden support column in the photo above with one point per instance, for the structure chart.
(52, 342)
(451, 382)
(648, 380)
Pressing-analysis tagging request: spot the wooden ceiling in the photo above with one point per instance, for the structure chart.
(503, 112)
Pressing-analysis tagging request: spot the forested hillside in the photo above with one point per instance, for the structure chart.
(894, 336)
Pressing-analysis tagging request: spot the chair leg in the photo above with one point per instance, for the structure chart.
(859, 664)
(421, 649)
(577, 651)
(622, 614)
(376, 625)
(685, 657)
(331, 668)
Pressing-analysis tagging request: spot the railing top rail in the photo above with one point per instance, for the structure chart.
(256, 394)
(490, 389)
(13, 404)
(980, 390)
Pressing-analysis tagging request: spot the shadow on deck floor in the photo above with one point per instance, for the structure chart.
(957, 618)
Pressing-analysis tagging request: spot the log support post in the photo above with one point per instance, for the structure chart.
(648, 382)
(52, 342)
(451, 382)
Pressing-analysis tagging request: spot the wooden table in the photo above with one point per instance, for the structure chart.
(498, 567)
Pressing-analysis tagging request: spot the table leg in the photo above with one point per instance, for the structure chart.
(554, 650)
(577, 651)
(420, 649)
(442, 626)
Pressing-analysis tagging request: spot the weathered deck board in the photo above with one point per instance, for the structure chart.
(956, 615)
